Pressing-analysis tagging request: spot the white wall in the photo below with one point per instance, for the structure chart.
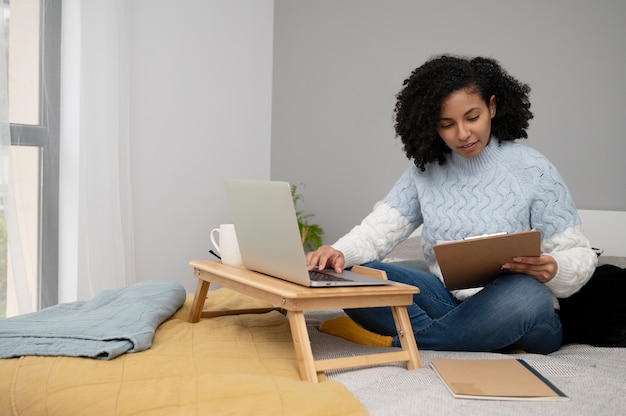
(339, 64)
(200, 105)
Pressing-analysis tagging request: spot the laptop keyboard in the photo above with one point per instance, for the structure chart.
(323, 277)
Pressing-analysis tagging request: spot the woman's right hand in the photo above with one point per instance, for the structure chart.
(326, 257)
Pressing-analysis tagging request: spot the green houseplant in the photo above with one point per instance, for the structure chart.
(311, 233)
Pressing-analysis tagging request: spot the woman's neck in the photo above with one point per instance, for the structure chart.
(484, 160)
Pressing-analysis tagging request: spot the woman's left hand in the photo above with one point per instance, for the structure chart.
(542, 268)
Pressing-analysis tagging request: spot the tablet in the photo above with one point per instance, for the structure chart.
(476, 261)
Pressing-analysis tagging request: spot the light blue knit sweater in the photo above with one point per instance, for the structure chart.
(507, 187)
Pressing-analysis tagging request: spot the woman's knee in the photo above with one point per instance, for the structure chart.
(524, 295)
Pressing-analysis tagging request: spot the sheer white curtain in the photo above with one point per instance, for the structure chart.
(7, 190)
(96, 239)
(21, 230)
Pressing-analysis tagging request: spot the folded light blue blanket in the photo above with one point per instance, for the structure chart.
(114, 322)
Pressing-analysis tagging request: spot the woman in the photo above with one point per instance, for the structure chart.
(458, 119)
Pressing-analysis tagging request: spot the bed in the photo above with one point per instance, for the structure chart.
(245, 364)
(238, 364)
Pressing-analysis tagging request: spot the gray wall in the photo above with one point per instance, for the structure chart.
(339, 64)
(200, 94)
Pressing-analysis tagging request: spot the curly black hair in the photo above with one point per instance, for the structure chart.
(418, 105)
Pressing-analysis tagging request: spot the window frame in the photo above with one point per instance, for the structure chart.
(46, 137)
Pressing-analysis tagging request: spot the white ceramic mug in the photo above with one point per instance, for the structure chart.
(225, 241)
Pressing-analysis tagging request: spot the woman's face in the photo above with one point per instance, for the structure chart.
(465, 122)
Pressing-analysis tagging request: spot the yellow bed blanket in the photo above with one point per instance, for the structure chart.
(238, 364)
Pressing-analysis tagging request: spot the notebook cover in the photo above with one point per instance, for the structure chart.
(497, 379)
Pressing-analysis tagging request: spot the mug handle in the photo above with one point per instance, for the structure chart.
(213, 232)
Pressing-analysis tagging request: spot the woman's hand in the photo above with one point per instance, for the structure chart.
(326, 257)
(542, 268)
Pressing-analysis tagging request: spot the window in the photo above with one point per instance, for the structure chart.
(33, 38)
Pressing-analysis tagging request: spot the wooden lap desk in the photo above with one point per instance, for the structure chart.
(295, 299)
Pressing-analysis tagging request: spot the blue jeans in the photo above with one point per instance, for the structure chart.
(514, 311)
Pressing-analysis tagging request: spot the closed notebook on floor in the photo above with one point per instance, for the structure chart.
(506, 379)
(476, 261)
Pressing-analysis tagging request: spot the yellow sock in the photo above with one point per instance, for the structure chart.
(346, 328)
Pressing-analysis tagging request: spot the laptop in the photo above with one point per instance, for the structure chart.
(269, 239)
(475, 261)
